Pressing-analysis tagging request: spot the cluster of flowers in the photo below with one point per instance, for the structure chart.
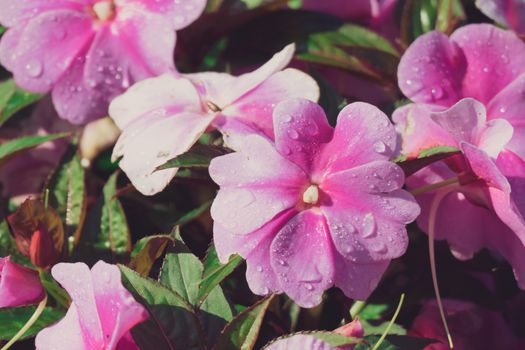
(307, 205)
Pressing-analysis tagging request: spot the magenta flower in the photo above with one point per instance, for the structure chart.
(478, 61)
(319, 192)
(88, 51)
(482, 207)
(510, 13)
(472, 326)
(163, 117)
(300, 341)
(101, 315)
(18, 285)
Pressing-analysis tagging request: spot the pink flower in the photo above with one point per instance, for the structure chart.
(471, 326)
(478, 61)
(510, 13)
(18, 285)
(483, 209)
(163, 117)
(89, 51)
(321, 207)
(101, 315)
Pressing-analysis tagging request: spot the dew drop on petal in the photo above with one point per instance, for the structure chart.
(294, 135)
(34, 68)
(369, 225)
(379, 147)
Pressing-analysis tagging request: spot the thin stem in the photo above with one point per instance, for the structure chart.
(356, 308)
(46, 198)
(387, 329)
(40, 308)
(435, 186)
(440, 195)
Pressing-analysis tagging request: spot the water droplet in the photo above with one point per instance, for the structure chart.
(281, 262)
(369, 225)
(503, 109)
(294, 135)
(308, 286)
(287, 118)
(313, 129)
(486, 69)
(259, 269)
(437, 93)
(34, 68)
(379, 147)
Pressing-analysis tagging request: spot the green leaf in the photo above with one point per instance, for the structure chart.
(193, 214)
(199, 156)
(379, 329)
(13, 319)
(10, 148)
(181, 272)
(146, 251)
(425, 158)
(106, 228)
(333, 339)
(2, 29)
(215, 272)
(8, 245)
(242, 332)
(13, 99)
(172, 324)
(67, 193)
(394, 342)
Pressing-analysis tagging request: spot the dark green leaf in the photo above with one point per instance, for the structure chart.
(12, 319)
(199, 156)
(106, 228)
(11, 147)
(7, 242)
(426, 157)
(394, 342)
(172, 324)
(193, 214)
(147, 251)
(13, 99)
(379, 329)
(215, 272)
(242, 332)
(67, 193)
(182, 272)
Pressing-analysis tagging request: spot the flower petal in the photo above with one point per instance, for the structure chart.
(117, 309)
(77, 281)
(489, 52)
(300, 341)
(164, 92)
(431, 70)
(35, 66)
(16, 12)
(363, 134)
(300, 128)
(256, 107)
(154, 139)
(64, 335)
(18, 285)
(304, 279)
(223, 90)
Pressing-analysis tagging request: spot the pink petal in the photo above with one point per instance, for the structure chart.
(418, 131)
(495, 137)
(77, 280)
(300, 130)
(18, 285)
(509, 104)
(75, 101)
(365, 227)
(16, 12)
(153, 140)
(304, 279)
(358, 281)
(8, 44)
(127, 343)
(256, 107)
(255, 182)
(484, 167)
(432, 70)
(300, 341)
(463, 121)
(363, 134)
(506, 12)
(182, 12)
(223, 90)
(489, 52)
(117, 309)
(64, 335)
(36, 67)
(255, 247)
(150, 95)
(148, 41)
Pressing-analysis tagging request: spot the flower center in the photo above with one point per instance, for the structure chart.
(104, 10)
(311, 195)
